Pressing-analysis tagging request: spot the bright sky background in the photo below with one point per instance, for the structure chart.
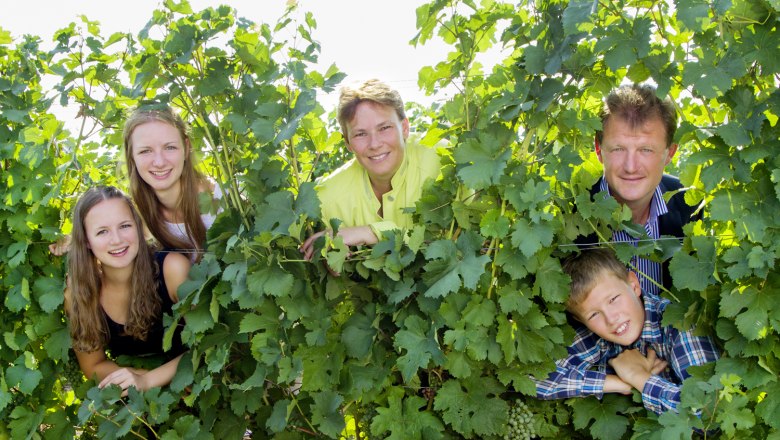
(365, 38)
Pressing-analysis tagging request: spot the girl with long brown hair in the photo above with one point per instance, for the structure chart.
(164, 182)
(118, 290)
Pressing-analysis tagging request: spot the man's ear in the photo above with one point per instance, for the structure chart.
(633, 281)
(670, 153)
(597, 146)
(405, 128)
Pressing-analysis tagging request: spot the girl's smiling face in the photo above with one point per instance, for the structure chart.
(112, 233)
(158, 151)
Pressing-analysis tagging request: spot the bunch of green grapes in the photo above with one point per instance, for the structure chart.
(520, 426)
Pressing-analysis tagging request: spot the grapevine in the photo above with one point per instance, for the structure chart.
(431, 326)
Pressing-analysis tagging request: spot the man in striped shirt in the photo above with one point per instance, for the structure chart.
(634, 146)
(623, 345)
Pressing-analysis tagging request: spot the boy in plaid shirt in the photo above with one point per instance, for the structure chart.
(624, 346)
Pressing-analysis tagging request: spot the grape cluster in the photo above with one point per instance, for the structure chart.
(520, 426)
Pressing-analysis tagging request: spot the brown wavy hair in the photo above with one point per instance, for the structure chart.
(148, 205)
(88, 326)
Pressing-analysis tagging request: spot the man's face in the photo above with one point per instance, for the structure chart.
(634, 160)
(378, 138)
(613, 309)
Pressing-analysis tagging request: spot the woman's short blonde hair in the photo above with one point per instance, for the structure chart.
(372, 90)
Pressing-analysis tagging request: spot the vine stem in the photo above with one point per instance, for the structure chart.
(308, 422)
(494, 245)
(223, 163)
(452, 223)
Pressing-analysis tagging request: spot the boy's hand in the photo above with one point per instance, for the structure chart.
(635, 369)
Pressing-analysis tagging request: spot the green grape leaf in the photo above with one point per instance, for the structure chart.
(326, 414)
(269, 280)
(607, 423)
(481, 161)
(472, 406)
(358, 334)
(420, 345)
(577, 13)
(281, 412)
(675, 427)
(405, 418)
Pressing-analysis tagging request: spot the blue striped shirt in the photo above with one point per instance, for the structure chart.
(583, 372)
(646, 270)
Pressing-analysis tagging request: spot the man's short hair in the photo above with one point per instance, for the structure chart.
(371, 90)
(585, 268)
(637, 104)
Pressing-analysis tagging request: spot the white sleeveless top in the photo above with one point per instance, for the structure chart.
(179, 230)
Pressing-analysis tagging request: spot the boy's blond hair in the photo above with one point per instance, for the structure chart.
(585, 268)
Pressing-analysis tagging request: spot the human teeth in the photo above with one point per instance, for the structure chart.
(622, 328)
(379, 157)
(117, 252)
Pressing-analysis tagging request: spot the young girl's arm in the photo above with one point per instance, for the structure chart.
(175, 270)
(95, 364)
(142, 380)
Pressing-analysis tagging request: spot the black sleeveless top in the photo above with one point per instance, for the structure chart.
(121, 344)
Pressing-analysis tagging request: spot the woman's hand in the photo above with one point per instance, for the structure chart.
(352, 236)
(126, 378)
(61, 246)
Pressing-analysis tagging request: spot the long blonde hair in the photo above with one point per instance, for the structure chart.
(88, 326)
(148, 204)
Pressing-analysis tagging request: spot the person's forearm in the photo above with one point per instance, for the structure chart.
(637, 379)
(163, 374)
(613, 384)
(570, 382)
(660, 395)
(101, 370)
(358, 235)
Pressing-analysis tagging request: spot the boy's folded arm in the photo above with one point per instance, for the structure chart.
(614, 384)
(690, 350)
(572, 377)
(660, 395)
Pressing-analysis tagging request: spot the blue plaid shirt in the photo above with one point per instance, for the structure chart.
(583, 372)
(646, 270)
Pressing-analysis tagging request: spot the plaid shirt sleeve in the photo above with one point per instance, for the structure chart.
(658, 394)
(573, 376)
